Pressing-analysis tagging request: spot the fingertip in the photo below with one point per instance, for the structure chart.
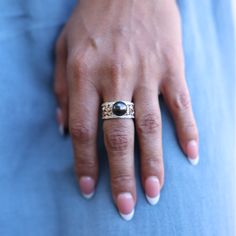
(192, 152)
(152, 190)
(87, 186)
(192, 149)
(153, 200)
(60, 121)
(194, 161)
(88, 196)
(62, 129)
(125, 204)
(129, 216)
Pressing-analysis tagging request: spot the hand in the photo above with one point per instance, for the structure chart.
(123, 50)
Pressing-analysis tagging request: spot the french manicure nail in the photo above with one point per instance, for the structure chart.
(125, 204)
(194, 161)
(129, 216)
(192, 152)
(152, 190)
(61, 130)
(87, 185)
(60, 122)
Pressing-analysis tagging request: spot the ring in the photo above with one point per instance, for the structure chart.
(117, 109)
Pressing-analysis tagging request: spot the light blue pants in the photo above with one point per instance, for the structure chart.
(38, 191)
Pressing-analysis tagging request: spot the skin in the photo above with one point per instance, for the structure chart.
(123, 50)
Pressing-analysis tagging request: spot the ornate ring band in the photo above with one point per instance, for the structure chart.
(117, 109)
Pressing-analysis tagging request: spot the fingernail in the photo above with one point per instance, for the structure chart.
(87, 185)
(195, 161)
(192, 152)
(152, 190)
(61, 130)
(125, 204)
(60, 122)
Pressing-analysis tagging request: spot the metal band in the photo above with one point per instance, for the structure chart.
(117, 110)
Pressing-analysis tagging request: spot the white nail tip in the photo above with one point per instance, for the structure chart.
(88, 196)
(153, 200)
(127, 217)
(61, 130)
(195, 161)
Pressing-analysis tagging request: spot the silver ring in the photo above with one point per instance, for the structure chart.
(117, 110)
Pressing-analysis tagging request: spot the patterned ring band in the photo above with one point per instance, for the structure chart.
(117, 109)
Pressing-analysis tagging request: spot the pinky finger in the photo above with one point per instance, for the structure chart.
(177, 97)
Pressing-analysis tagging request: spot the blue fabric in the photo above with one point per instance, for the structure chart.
(38, 191)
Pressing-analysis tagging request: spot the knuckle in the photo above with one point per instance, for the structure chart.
(152, 163)
(121, 179)
(149, 123)
(85, 165)
(120, 30)
(115, 69)
(127, 64)
(191, 128)
(81, 132)
(173, 58)
(190, 125)
(154, 166)
(118, 140)
(172, 52)
(182, 101)
(78, 66)
(120, 67)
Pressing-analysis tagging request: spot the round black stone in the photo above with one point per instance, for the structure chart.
(119, 108)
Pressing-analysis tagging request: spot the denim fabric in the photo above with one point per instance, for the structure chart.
(39, 195)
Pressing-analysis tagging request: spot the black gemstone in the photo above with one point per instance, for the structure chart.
(119, 108)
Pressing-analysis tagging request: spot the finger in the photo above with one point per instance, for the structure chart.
(60, 85)
(119, 143)
(83, 122)
(177, 97)
(149, 131)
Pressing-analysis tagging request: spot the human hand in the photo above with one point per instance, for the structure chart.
(123, 50)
